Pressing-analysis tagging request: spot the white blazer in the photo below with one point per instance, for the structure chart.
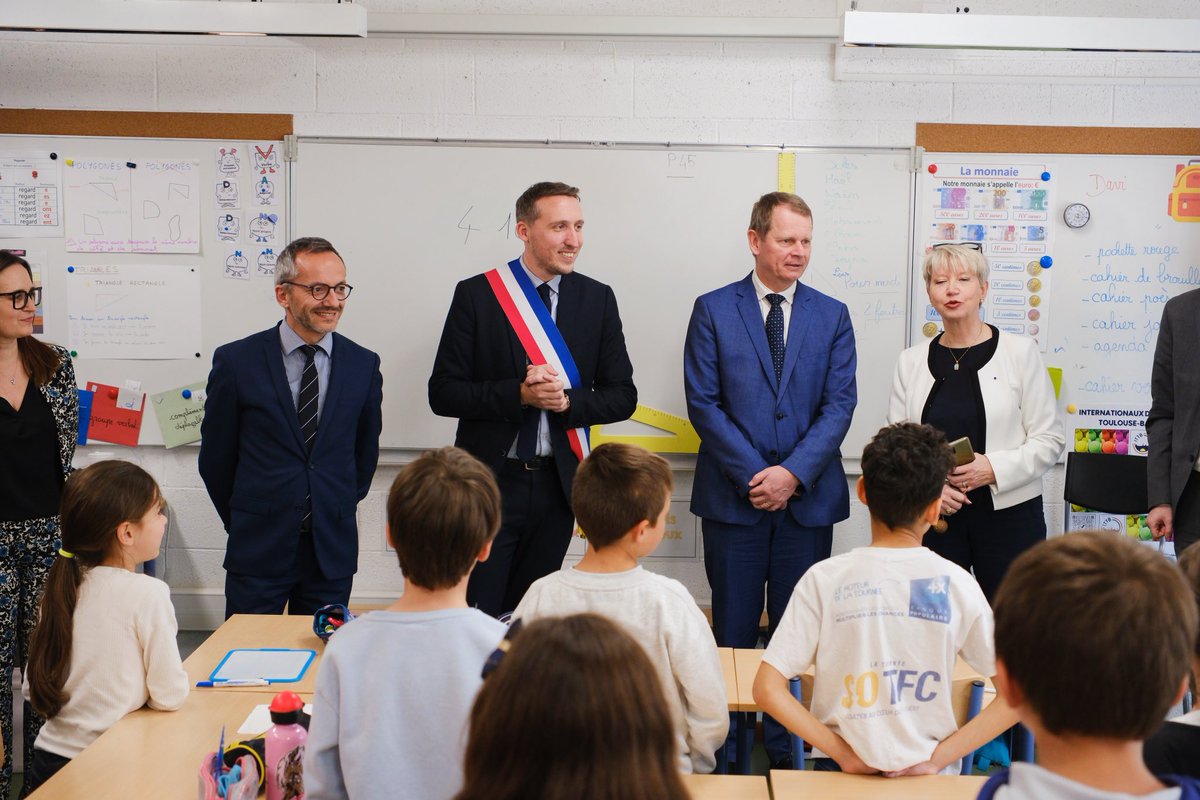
(1024, 434)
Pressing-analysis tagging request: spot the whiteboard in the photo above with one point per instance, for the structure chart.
(1102, 299)
(664, 224)
(229, 308)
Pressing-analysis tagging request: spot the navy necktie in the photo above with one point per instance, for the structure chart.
(775, 338)
(306, 409)
(531, 417)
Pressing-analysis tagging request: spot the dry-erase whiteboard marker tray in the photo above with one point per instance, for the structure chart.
(275, 664)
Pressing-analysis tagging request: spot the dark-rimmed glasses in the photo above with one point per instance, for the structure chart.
(972, 245)
(20, 298)
(321, 290)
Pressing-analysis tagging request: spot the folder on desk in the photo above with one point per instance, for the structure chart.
(275, 664)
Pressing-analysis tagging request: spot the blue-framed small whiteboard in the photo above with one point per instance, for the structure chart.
(275, 664)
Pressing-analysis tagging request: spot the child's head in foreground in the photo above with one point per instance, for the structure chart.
(618, 487)
(1094, 636)
(903, 470)
(575, 709)
(443, 510)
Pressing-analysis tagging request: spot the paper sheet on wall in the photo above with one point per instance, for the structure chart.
(180, 413)
(134, 311)
(30, 195)
(166, 206)
(98, 218)
(110, 420)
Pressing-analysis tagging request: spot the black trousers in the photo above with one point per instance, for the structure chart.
(985, 541)
(1187, 515)
(533, 539)
(41, 768)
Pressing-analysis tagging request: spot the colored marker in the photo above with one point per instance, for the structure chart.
(234, 682)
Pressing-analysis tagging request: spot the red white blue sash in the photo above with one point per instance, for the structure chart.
(539, 335)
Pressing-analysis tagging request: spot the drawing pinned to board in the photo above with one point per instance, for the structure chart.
(97, 210)
(262, 227)
(134, 311)
(227, 194)
(228, 161)
(229, 227)
(266, 159)
(265, 191)
(266, 261)
(168, 194)
(1183, 204)
(237, 266)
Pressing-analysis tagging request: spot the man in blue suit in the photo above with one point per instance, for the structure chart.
(290, 443)
(769, 375)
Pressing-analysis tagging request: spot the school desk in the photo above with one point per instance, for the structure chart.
(808, 785)
(256, 630)
(154, 755)
(727, 787)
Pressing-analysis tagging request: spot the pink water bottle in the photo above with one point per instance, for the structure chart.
(285, 748)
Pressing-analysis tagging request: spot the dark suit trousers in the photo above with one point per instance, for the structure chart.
(1187, 515)
(533, 539)
(303, 591)
(740, 560)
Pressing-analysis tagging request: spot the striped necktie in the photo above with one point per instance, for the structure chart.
(310, 390)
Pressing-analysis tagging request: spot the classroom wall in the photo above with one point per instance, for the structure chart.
(632, 90)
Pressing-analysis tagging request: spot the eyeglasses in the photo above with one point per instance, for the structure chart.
(970, 245)
(320, 290)
(21, 298)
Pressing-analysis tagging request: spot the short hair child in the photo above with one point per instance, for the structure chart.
(621, 499)
(1174, 749)
(1094, 639)
(574, 709)
(443, 513)
(105, 643)
(895, 604)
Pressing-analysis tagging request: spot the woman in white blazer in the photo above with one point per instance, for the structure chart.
(972, 380)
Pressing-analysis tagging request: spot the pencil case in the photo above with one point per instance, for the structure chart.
(240, 782)
(328, 619)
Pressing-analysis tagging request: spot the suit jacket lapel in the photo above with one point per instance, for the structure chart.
(751, 311)
(569, 309)
(273, 354)
(332, 393)
(797, 330)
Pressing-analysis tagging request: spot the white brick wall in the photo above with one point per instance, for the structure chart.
(740, 92)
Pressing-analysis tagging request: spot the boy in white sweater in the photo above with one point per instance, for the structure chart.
(621, 499)
(883, 626)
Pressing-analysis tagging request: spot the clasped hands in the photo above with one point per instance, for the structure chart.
(543, 389)
(964, 479)
(771, 488)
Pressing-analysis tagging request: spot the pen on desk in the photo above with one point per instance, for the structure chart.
(235, 682)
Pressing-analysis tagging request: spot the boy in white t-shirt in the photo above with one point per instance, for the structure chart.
(883, 626)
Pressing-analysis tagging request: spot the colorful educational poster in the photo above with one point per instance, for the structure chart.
(180, 412)
(109, 421)
(166, 206)
(98, 213)
(133, 311)
(1004, 210)
(31, 193)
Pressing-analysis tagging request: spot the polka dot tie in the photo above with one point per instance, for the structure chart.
(775, 333)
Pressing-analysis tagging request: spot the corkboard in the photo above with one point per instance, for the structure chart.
(145, 124)
(949, 138)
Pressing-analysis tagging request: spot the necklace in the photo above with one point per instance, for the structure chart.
(958, 358)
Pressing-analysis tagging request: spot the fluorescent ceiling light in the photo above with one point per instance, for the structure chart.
(184, 16)
(1002, 32)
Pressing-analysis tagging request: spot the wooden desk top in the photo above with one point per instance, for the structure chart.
(155, 754)
(727, 787)
(809, 785)
(729, 674)
(256, 630)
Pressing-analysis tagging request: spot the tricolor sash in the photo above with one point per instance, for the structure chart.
(543, 343)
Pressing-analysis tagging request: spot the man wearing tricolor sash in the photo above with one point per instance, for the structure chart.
(531, 356)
